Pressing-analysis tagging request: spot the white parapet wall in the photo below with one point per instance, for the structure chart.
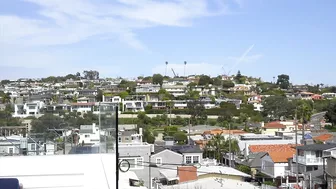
(89, 171)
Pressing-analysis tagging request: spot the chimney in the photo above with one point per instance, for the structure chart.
(186, 173)
(140, 131)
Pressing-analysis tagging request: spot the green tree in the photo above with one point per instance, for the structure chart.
(217, 81)
(45, 122)
(239, 78)
(6, 98)
(218, 144)
(227, 84)
(180, 137)
(157, 79)
(123, 94)
(283, 81)
(99, 96)
(244, 169)
(196, 111)
(204, 80)
(277, 107)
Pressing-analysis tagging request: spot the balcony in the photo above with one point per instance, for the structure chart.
(308, 160)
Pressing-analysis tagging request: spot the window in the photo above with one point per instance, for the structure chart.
(140, 162)
(188, 159)
(126, 139)
(131, 161)
(158, 161)
(119, 139)
(10, 151)
(32, 147)
(135, 162)
(87, 136)
(195, 159)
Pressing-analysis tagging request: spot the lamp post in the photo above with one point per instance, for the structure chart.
(166, 68)
(185, 64)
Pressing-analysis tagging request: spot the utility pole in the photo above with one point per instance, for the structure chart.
(170, 113)
(150, 172)
(64, 142)
(303, 128)
(99, 120)
(229, 145)
(189, 131)
(116, 148)
(296, 151)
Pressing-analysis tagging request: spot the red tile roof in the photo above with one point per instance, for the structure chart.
(271, 148)
(274, 125)
(279, 153)
(324, 137)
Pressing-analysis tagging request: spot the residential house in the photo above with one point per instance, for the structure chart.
(89, 134)
(87, 93)
(82, 107)
(329, 172)
(137, 153)
(205, 90)
(275, 162)
(180, 104)
(147, 88)
(207, 102)
(310, 157)
(204, 177)
(286, 126)
(246, 89)
(134, 103)
(324, 138)
(176, 81)
(163, 158)
(328, 95)
(175, 90)
(28, 109)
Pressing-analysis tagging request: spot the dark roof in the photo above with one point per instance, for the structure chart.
(179, 149)
(316, 147)
(84, 150)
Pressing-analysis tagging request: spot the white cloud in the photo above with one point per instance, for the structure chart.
(71, 21)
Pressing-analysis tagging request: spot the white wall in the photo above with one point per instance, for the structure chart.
(279, 169)
(63, 171)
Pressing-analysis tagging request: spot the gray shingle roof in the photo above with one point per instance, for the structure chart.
(316, 147)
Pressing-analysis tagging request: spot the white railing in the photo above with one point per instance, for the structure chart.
(308, 160)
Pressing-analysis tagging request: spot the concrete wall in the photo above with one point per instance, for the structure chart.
(154, 115)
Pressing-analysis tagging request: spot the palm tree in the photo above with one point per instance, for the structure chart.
(185, 64)
(166, 68)
(218, 144)
(6, 98)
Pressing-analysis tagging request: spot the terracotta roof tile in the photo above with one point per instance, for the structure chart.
(278, 152)
(281, 157)
(324, 137)
(272, 148)
(274, 125)
(223, 131)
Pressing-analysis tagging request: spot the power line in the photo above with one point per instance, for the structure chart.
(205, 172)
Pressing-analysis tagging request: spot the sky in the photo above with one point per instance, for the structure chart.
(130, 38)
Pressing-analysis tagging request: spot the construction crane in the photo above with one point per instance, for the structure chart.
(174, 72)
